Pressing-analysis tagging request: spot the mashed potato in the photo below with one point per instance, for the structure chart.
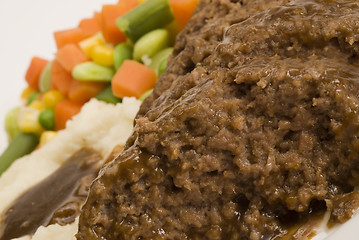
(99, 126)
(54, 232)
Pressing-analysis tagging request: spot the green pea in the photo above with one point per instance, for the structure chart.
(47, 119)
(11, 126)
(90, 71)
(151, 43)
(122, 52)
(44, 82)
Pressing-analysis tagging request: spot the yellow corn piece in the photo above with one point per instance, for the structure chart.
(141, 1)
(103, 55)
(28, 120)
(51, 98)
(88, 44)
(37, 104)
(46, 137)
(27, 93)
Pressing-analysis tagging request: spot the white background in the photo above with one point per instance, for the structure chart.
(26, 30)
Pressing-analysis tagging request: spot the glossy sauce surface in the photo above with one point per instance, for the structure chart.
(258, 103)
(56, 199)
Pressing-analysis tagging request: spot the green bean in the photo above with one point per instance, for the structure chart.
(151, 43)
(145, 95)
(47, 119)
(122, 52)
(11, 126)
(44, 82)
(21, 145)
(146, 17)
(106, 95)
(90, 71)
(159, 58)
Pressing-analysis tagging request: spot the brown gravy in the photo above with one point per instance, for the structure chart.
(57, 199)
(260, 99)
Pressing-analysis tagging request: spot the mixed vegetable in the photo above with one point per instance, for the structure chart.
(118, 52)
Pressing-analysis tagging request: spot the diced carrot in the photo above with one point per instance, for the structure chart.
(73, 35)
(64, 111)
(133, 79)
(90, 26)
(183, 10)
(60, 78)
(109, 14)
(34, 71)
(69, 56)
(98, 16)
(82, 91)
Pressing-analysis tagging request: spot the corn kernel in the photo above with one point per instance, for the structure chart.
(51, 98)
(88, 44)
(28, 120)
(141, 1)
(37, 104)
(46, 137)
(26, 93)
(102, 55)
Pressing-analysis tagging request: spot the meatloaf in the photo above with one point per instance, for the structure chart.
(254, 124)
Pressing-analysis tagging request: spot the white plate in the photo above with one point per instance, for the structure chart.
(26, 30)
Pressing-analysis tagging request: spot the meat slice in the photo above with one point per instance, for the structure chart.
(253, 127)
